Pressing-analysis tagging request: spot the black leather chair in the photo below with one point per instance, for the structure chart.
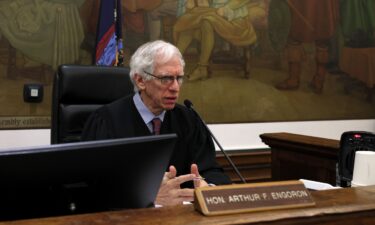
(79, 90)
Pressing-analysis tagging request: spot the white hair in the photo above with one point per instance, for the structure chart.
(144, 58)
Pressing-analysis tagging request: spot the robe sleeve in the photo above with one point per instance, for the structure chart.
(97, 127)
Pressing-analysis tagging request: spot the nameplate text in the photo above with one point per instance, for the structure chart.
(239, 198)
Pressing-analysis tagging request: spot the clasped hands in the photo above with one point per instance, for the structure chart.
(170, 192)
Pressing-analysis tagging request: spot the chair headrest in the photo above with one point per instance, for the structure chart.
(79, 84)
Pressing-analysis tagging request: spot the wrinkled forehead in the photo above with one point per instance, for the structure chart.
(162, 56)
(167, 60)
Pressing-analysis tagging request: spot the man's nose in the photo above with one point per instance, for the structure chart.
(175, 85)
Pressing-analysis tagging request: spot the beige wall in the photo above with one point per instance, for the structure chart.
(231, 136)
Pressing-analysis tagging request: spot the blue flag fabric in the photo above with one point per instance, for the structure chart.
(109, 48)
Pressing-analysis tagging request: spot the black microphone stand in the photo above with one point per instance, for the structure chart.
(225, 154)
(189, 105)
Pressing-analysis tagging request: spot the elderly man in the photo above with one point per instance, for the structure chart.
(157, 72)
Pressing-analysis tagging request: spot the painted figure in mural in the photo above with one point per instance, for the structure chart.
(202, 19)
(45, 31)
(311, 21)
(167, 9)
(142, 19)
(135, 20)
(358, 22)
(137, 8)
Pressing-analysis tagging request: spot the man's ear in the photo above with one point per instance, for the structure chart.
(139, 81)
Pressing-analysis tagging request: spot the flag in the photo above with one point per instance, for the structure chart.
(109, 48)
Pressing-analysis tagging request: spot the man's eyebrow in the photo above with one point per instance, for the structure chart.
(171, 75)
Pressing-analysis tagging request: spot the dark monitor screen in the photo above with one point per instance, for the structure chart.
(82, 177)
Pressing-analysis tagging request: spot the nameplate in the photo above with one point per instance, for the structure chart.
(238, 198)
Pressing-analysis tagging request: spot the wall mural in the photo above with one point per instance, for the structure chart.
(247, 60)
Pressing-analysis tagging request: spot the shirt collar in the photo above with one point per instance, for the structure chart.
(145, 113)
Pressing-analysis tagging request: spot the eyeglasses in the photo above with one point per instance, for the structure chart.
(167, 79)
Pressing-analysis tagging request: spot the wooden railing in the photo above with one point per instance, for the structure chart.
(297, 156)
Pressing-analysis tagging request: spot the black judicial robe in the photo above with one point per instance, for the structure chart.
(121, 119)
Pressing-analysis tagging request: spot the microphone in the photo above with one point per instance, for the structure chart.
(189, 105)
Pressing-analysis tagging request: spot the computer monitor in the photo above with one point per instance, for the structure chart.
(82, 177)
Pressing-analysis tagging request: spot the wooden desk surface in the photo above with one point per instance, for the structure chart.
(341, 206)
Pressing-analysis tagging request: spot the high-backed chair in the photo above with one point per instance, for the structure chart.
(79, 90)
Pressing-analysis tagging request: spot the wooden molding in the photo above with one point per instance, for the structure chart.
(254, 165)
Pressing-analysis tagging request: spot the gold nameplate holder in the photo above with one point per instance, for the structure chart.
(238, 198)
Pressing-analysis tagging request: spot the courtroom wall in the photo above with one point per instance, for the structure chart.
(231, 136)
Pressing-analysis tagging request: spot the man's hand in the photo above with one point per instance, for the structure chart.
(170, 192)
(198, 181)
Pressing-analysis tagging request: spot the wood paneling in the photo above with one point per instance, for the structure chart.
(254, 165)
(297, 156)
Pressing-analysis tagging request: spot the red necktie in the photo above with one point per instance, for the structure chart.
(156, 122)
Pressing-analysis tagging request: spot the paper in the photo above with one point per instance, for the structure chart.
(318, 186)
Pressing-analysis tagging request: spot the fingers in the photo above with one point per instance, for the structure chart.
(177, 181)
(170, 192)
(194, 169)
(182, 179)
(172, 172)
(182, 195)
(171, 179)
(186, 192)
(197, 182)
